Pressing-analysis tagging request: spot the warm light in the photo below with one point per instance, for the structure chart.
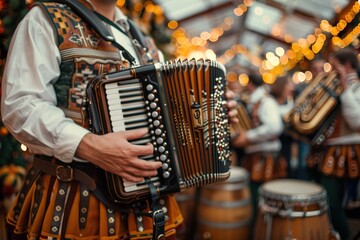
(196, 55)
(327, 67)
(229, 21)
(205, 35)
(308, 75)
(268, 78)
(284, 59)
(269, 55)
(231, 76)
(279, 51)
(120, 3)
(248, 2)
(173, 24)
(238, 12)
(258, 11)
(243, 79)
(210, 54)
(311, 39)
(276, 30)
(23, 147)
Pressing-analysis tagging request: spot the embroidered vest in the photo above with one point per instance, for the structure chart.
(84, 55)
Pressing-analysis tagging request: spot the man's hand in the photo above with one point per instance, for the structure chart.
(114, 153)
(231, 105)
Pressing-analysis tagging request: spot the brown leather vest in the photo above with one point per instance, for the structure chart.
(84, 55)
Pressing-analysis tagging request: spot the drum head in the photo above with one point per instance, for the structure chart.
(238, 174)
(291, 188)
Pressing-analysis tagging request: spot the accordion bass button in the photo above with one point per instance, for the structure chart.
(162, 157)
(156, 123)
(149, 87)
(159, 140)
(165, 166)
(153, 105)
(158, 131)
(155, 114)
(151, 96)
(161, 149)
(166, 174)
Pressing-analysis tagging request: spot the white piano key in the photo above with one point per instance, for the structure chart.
(129, 183)
(113, 89)
(119, 100)
(121, 83)
(126, 106)
(125, 95)
(134, 119)
(137, 186)
(120, 117)
(123, 127)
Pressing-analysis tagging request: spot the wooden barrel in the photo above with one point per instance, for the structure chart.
(187, 204)
(224, 210)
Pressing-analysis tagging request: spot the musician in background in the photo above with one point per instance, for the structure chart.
(52, 56)
(306, 173)
(283, 90)
(261, 144)
(340, 161)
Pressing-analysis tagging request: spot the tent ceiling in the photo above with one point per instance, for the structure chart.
(261, 28)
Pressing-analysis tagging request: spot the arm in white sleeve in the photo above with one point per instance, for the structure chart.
(350, 106)
(271, 123)
(28, 106)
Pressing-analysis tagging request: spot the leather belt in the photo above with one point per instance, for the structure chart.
(64, 172)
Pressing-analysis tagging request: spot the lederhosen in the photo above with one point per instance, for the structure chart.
(54, 205)
(264, 166)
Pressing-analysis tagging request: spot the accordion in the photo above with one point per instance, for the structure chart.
(315, 110)
(244, 123)
(182, 103)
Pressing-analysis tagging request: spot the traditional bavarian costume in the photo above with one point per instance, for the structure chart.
(55, 202)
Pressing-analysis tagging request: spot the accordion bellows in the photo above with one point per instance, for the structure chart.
(182, 103)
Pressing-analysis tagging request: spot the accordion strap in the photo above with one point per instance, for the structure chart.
(157, 213)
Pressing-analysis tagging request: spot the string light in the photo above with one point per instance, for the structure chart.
(306, 47)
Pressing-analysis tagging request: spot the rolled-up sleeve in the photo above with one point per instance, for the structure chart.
(28, 101)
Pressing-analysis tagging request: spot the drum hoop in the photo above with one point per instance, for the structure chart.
(291, 214)
(321, 196)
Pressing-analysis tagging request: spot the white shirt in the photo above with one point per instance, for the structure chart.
(28, 107)
(265, 137)
(350, 110)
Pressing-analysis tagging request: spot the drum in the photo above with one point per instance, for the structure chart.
(224, 209)
(293, 209)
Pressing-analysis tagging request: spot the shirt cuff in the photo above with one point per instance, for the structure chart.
(68, 141)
